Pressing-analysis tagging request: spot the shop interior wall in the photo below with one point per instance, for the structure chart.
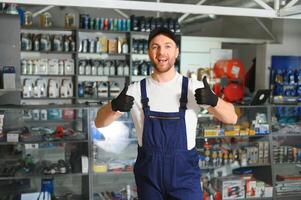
(244, 52)
(10, 53)
(288, 34)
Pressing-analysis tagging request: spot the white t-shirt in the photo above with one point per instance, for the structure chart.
(164, 97)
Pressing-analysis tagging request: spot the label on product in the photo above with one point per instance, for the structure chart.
(12, 137)
(31, 146)
(235, 71)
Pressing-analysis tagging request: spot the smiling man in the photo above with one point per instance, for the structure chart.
(164, 108)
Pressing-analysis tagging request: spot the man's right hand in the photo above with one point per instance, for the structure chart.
(123, 102)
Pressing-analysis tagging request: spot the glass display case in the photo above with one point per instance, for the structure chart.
(286, 126)
(114, 153)
(235, 160)
(44, 152)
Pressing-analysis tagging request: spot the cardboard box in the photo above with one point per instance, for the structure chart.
(9, 77)
(250, 188)
(233, 189)
(268, 191)
(112, 46)
(260, 188)
(103, 42)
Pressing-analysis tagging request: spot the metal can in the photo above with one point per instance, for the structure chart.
(128, 25)
(84, 21)
(111, 24)
(96, 23)
(115, 25)
(100, 22)
(123, 24)
(106, 24)
(91, 23)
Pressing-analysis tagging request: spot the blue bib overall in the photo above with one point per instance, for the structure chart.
(165, 169)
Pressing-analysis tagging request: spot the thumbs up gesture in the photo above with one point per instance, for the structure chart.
(205, 95)
(123, 102)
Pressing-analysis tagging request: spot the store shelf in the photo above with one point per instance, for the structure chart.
(52, 120)
(102, 76)
(122, 173)
(30, 176)
(287, 135)
(48, 52)
(101, 56)
(46, 142)
(27, 29)
(6, 91)
(95, 98)
(140, 57)
(250, 165)
(45, 75)
(288, 197)
(101, 31)
(288, 163)
(49, 98)
(238, 136)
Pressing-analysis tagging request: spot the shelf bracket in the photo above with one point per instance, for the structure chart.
(263, 4)
(42, 10)
(121, 13)
(187, 14)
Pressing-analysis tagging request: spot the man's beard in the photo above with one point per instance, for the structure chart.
(162, 70)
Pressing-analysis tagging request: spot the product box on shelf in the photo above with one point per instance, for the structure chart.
(212, 131)
(232, 187)
(9, 77)
(268, 191)
(232, 130)
(112, 46)
(255, 188)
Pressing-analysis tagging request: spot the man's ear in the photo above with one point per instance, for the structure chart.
(177, 52)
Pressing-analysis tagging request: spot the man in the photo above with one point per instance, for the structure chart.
(164, 109)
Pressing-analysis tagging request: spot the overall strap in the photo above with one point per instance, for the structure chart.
(144, 98)
(183, 99)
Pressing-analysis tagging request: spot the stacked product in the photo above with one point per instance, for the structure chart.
(259, 126)
(287, 154)
(219, 154)
(98, 89)
(288, 185)
(104, 45)
(47, 66)
(44, 87)
(103, 68)
(47, 42)
(87, 22)
(146, 24)
(243, 186)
